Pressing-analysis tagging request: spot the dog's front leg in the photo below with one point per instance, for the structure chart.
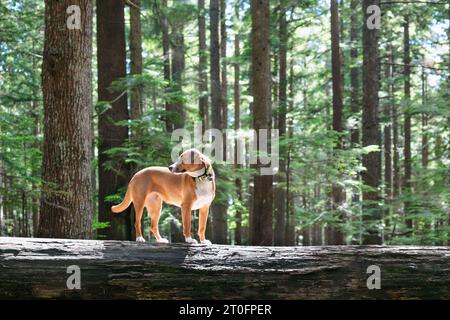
(186, 209)
(202, 219)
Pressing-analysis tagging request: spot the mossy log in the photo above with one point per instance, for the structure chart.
(37, 268)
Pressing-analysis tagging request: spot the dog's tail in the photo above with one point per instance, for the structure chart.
(124, 204)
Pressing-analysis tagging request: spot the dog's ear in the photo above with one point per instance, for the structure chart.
(205, 161)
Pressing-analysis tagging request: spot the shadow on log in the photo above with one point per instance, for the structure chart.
(37, 268)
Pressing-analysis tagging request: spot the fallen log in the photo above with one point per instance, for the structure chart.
(38, 268)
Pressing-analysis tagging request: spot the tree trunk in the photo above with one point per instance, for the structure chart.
(395, 141)
(178, 66)
(215, 65)
(66, 203)
(388, 133)
(338, 195)
(128, 270)
(223, 55)
(261, 232)
(237, 122)
(111, 66)
(280, 207)
(136, 99)
(220, 208)
(202, 67)
(354, 80)
(290, 239)
(219, 225)
(407, 124)
(425, 151)
(370, 132)
(161, 12)
(35, 193)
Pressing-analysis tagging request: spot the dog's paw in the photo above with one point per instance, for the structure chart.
(162, 240)
(206, 242)
(140, 239)
(190, 240)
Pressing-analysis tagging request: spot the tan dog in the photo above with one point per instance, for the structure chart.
(188, 184)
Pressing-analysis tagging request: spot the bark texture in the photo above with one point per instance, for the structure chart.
(261, 232)
(219, 218)
(336, 235)
(407, 124)
(136, 100)
(280, 198)
(37, 268)
(66, 203)
(370, 130)
(202, 67)
(111, 66)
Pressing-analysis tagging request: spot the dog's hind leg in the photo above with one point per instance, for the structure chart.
(153, 204)
(138, 209)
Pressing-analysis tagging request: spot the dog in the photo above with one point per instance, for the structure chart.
(188, 183)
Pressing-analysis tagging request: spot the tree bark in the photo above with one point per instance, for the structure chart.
(219, 218)
(354, 70)
(216, 105)
(387, 110)
(338, 195)
(237, 121)
(280, 207)
(261, 232)
(370, 132)
(395, 142)
(223, 55)
(111, 66)
(407, 123)
(37, 268)
(290, 238)
(66, 204)
(202, 65)
(161, 12)
(136, 99)
(177, 69)
(425, 151)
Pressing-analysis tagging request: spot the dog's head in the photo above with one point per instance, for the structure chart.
(190, 161)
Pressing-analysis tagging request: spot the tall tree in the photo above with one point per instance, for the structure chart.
(261, 232)
(425, 151)
(219, 224)
(336, 235)
(223, 55)
(162, 15)
(237, 120)
(354, 69)
(280, 207)
(290, 237)
(387, 132)
(111, 66)
(136, 99)
(407, 123)
(66, 203)
(202, 67)
(396, 180)
(177, 70)
(370, 131)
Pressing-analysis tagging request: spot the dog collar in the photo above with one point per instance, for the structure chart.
(196, 174)
(202, 175)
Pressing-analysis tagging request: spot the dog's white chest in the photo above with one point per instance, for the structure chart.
(204, 193)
